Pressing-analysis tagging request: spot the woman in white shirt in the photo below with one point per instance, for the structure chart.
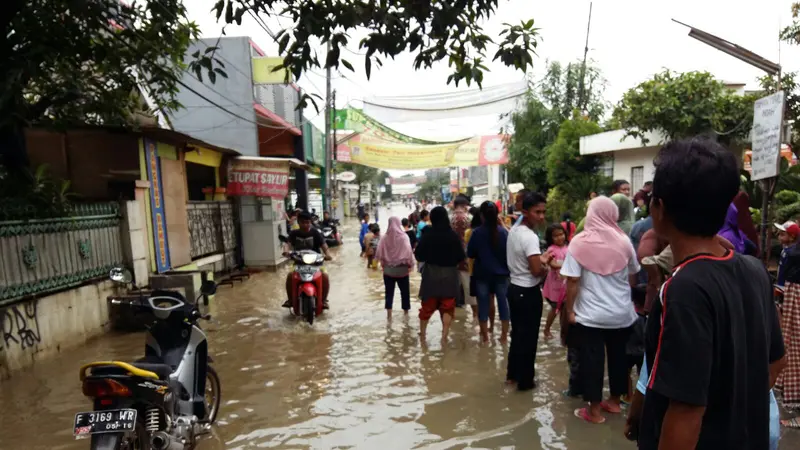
(599, 265)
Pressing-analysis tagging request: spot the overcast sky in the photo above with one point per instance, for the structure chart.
(629, 41)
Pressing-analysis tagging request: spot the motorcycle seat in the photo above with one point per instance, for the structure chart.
(162, 370)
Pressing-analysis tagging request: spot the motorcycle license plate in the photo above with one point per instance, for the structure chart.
(110, 421)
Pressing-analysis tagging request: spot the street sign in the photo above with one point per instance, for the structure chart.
(346, 176)
(767, 121)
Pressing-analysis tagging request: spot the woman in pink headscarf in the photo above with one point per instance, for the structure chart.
(599, 267)
(396, 257)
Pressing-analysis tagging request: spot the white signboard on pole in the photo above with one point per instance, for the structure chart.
(767, 122)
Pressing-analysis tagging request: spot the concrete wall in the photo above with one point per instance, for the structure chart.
(625, 160)
(202, 120)
(37, 328)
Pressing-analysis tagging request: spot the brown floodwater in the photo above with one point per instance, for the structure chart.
(352, 380)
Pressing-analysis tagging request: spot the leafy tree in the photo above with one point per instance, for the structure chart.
(551, 101)
(69, 62)
(560, 90)
(683, 105)
(564, 161)
(432, 187)
(434, 31)
(791, 33)
(535, 127)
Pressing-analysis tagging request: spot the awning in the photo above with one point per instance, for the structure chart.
(276, 119)
(294, 163)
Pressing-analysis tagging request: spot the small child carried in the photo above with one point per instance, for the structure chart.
(371, 241)
(555, 287)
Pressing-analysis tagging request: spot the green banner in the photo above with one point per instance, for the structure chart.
(314, 144)
(355, 120)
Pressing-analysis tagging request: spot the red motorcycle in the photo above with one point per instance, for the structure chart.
(307, 284)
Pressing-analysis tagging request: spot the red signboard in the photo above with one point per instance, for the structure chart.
(258, 178)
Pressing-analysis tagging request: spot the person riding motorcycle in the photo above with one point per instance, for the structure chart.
(306, 238)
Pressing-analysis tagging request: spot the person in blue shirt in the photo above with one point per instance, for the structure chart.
(487, 246)
(363, 232)
(424, 221)
(787, 235)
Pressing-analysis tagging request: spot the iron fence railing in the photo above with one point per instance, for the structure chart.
(213, 230)
(45, 255)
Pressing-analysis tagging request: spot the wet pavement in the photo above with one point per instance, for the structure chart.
(352, 380)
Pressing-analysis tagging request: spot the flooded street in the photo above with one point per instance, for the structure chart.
(352, 380)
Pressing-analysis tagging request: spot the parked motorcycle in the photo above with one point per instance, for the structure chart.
(163, 401)
(332, 236)
(306, 283)
(330, 233)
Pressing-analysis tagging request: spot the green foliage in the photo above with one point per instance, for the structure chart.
(535, 127)
(561, 90)
(433, 31)
(785, 197)
(684, 105)
(68, 62)
(559, 201)
(788, 180)
(788, 212)
(556, 98)
(791, 33)
(431, 189)
(564, 161)
(28, 195)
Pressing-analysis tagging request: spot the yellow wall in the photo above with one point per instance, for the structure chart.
(204, 156)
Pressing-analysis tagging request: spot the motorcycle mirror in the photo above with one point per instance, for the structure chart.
(208, 287)
(120, 275)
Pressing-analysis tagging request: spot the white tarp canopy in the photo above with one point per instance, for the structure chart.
(468, 103)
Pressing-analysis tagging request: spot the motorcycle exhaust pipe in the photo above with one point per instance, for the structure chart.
(162, 441)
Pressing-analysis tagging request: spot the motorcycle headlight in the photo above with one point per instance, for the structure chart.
(309, 258)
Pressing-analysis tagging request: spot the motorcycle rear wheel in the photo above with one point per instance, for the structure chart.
(214, 389)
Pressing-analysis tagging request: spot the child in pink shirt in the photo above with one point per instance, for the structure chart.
(555, 287)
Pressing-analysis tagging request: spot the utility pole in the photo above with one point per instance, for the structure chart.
(334, 189)
(582, 86)
(329, 142)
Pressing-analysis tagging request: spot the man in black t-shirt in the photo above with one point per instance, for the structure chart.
(713, 342)
(306, 238)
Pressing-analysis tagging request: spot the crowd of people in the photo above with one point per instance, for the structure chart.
(665, 282)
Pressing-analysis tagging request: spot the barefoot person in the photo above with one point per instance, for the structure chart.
(396, 257)
(490, 272)
(441, 250)
(598, 268)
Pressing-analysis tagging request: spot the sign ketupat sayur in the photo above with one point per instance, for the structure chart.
(258, 178)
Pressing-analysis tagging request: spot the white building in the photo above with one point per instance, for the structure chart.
(628, 158)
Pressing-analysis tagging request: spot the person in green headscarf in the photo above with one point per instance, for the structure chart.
(626, 214)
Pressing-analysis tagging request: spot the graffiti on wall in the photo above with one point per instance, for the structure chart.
(19, 327)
